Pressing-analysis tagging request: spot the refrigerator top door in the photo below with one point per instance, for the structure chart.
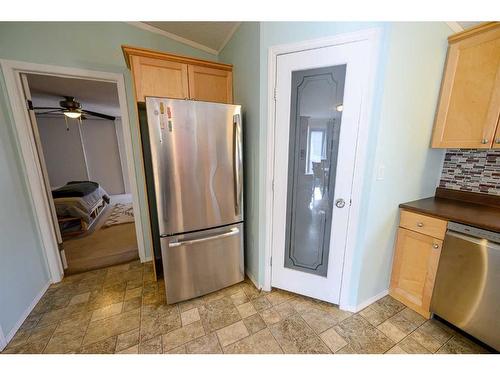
(196, 150)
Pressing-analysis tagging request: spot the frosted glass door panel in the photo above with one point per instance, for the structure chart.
(315, 118)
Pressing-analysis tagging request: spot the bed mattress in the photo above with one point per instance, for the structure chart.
(79, 206)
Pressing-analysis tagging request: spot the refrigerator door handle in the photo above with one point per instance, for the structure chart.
(232, 232)
(237, 151)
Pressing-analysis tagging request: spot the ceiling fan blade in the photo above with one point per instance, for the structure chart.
(97, 114)
(59, 108)
(48, 112)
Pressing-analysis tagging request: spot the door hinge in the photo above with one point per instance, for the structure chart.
(275, 93)
(271, 261)
(272, 186)
(29, 105)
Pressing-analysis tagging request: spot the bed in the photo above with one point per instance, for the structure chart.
(78, 205)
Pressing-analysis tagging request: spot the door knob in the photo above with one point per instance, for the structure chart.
(340, 203)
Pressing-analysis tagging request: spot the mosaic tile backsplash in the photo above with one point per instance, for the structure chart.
(472, 170)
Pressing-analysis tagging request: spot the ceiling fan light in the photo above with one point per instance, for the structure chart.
(72, 114)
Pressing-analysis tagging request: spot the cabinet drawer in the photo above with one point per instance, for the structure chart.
(423, 224)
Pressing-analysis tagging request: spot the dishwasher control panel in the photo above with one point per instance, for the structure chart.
(475, 232)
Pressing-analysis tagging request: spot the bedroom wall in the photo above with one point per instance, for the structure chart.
(62, 150)
(68, 156)
(85, 45)
(121, 150)
(103, 155)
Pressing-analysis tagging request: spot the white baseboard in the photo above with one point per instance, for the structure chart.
(365, 303)
(27, 312)
(252, 278)
(3, 340)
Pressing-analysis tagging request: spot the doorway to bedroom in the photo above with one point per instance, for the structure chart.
(80, 143)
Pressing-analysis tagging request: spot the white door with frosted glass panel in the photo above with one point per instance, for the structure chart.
(318, 101)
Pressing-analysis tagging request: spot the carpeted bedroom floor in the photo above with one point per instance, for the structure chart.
(102, 247)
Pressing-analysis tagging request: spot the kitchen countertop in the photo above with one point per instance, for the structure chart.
(483, 216)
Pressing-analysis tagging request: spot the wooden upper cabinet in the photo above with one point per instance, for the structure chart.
(181, 77)
(211, 85)
(414, 269)
(469, 104)
(496, 141)
(154, 77)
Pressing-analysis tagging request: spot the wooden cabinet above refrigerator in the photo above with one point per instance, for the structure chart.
(167, 75)
(469, 105)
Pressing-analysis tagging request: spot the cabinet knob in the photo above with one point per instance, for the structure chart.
(484, 141)
(435, 246)
(497, 141)
(420, 224)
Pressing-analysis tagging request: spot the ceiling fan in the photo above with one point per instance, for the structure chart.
(70, 108)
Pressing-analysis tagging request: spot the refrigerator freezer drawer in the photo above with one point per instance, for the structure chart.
(202, 262)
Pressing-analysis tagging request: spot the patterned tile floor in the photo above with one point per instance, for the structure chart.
(122, 309)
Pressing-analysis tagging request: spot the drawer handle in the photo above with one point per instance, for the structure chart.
(420, 224)
(484, 141)
(435, 246)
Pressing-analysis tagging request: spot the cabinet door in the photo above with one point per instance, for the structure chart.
(414, 269)
(470, 93)
(155, 77)
(211, 85)
(496, 141)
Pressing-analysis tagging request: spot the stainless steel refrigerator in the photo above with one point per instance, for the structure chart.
(197, 176)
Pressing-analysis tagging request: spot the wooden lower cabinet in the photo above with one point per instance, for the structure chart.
(414, 269)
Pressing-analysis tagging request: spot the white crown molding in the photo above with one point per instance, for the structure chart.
(145, 26)
(455, 26)
(229, 36)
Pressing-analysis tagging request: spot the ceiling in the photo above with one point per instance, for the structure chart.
(213, 36)
(95, 96)
(210, 36)
(468, 24)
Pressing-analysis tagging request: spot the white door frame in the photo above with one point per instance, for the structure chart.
(372, 36)
(27, 150)
(3, 340)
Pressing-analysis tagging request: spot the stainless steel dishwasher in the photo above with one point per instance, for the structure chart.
(467, 287)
